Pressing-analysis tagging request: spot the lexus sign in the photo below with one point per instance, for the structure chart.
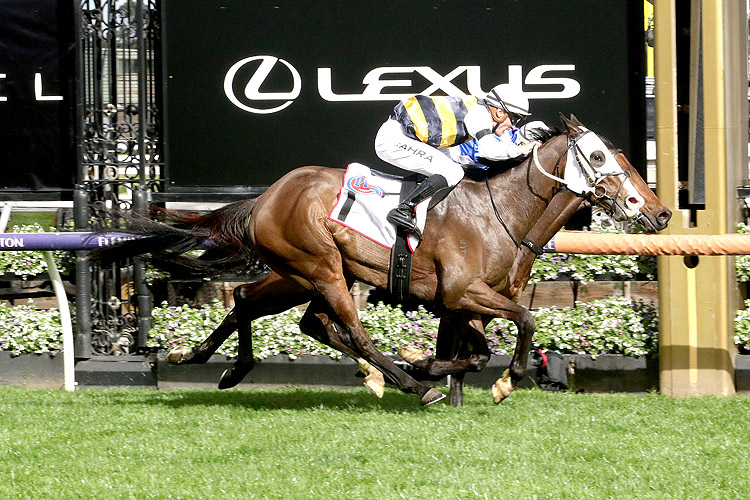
(255, 89)
(380, 84)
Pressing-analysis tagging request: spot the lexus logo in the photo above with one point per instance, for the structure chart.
(390, 83)
(252, 89)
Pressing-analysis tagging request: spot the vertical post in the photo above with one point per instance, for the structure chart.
(142, 293)
(141, 195)
(83, 277)
(67, 327)
(697, 295)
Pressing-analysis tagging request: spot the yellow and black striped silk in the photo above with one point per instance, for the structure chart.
(437, 121)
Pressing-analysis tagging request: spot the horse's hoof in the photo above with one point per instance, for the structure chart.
(375, 384)
(431, 396)
(411, 354)
(502, 388)
(227, 381)
(179, 355)
(374, 380)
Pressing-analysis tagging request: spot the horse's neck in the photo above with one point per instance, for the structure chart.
(547, 218)
(533, 192)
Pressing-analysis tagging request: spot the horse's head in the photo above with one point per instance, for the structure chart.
(605, 177)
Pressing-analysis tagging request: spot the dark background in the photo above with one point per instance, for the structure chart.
(37, 138)
(211, 142)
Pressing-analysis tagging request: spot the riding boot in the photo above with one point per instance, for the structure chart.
(403, 215)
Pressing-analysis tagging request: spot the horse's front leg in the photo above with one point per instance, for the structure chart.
(461, 347)
(517, 370)
(480, 299)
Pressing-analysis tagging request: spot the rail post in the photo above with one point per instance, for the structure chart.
(698, 295)
(142, 293)
(83, 277)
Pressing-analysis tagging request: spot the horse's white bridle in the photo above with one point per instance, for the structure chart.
(593, 162)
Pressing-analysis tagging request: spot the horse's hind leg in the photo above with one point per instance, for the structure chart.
(245, 361)
(273, 287)
(272, 295)
(185, 355)
(319, 324)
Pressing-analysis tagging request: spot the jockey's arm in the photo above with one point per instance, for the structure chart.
(479, 124)
(493, 147)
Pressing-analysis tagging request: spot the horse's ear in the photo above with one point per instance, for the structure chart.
(573, 125)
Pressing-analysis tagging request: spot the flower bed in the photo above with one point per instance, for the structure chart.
(614, 326)
(610, 326)
(27, 329)
(742, 329)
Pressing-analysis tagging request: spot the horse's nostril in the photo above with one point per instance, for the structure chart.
(663, 218)
(633, 201)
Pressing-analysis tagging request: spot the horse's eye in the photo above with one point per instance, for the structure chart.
(597, 159)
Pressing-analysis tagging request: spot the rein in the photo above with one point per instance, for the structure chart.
(536, 249)
(525, 242)
(497, 213)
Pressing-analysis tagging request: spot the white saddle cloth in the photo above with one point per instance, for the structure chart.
(364, 201)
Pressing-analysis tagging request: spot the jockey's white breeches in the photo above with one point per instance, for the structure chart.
(394, 147)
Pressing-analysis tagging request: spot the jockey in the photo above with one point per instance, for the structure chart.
(421, 129)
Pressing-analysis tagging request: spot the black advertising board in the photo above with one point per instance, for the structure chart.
(37, 107)
(257, 88)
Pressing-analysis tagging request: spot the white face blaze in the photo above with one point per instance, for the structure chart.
(589, 163)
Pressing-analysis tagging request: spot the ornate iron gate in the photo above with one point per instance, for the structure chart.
(118, 67)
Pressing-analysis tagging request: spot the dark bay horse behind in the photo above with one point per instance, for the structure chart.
(475, 260)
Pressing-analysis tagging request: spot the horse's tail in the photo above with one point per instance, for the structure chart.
(169, 241)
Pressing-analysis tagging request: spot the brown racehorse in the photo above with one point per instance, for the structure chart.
(474, 262)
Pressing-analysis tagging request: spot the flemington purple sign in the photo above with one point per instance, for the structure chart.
(60, 241)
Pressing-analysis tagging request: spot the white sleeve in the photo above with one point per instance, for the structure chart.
(533, 130)
(478, 121)
(493, 147)
(479, 124)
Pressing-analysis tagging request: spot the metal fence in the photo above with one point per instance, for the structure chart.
(120, 161)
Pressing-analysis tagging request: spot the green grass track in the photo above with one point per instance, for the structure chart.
(322, 444)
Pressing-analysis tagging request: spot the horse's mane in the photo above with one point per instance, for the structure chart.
(499, 166)
(543, 134)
